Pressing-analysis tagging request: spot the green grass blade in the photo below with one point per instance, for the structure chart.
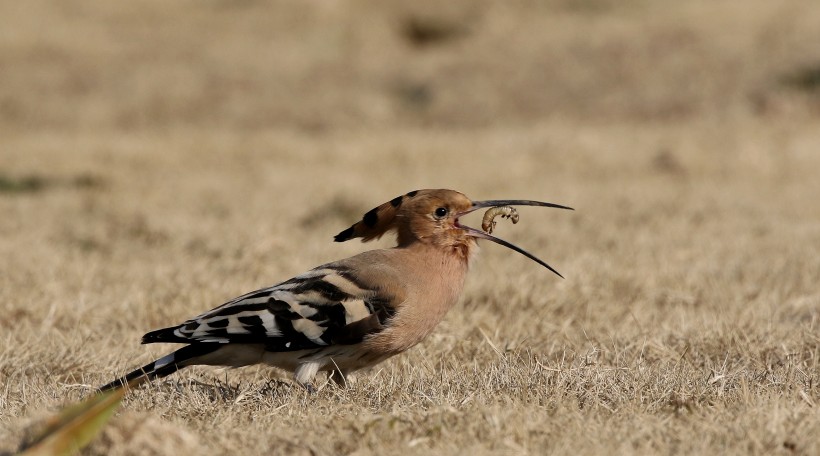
(73, 427)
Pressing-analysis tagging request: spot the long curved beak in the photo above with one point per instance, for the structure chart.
(496, 203)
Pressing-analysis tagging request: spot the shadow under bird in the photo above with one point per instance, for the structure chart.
(349, 314)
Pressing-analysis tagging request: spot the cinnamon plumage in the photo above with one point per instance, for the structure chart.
(349, 314)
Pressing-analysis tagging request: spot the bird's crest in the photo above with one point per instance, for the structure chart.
(377, 221)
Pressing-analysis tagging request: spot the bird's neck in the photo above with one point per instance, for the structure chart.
(448, 250)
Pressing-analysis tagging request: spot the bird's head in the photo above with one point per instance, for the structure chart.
(432, 217)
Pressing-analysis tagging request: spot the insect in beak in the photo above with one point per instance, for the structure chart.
(498, 203)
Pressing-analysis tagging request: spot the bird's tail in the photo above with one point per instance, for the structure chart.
(162, 367)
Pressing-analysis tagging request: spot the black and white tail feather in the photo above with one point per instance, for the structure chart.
(162, 367)
(304, 324)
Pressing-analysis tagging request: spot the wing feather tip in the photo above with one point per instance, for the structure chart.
(163, 335)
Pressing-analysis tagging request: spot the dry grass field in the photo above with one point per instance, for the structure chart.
(158, 159)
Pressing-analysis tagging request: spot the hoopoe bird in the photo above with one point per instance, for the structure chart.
(350, 314)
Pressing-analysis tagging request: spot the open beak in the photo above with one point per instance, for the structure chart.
(496, 203)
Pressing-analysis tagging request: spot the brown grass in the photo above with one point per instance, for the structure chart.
(158, 159)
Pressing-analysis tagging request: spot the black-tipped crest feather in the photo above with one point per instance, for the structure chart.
(376, 222)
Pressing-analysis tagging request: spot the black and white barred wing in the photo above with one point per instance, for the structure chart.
(323, 307)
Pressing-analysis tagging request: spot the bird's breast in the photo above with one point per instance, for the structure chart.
(434, 288)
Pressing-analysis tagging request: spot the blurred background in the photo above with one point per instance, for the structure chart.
(158, 158)
(390, 86)
(324, 66)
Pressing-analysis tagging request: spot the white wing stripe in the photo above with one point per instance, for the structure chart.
(310, 329)
(344, 284)
(355, 310)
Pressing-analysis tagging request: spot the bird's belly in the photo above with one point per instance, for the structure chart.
(344, 357)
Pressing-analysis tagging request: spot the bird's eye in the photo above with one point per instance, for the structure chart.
(441, 212)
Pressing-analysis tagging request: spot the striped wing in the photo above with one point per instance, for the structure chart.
(325, 306)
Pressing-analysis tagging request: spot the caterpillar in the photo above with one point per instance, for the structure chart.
(488, 224)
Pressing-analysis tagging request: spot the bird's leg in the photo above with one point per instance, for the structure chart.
(304, 374)
(338, 377)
